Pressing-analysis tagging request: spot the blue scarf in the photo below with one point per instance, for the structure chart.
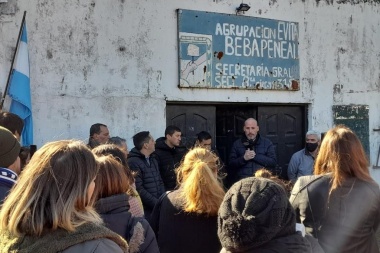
(7, 177)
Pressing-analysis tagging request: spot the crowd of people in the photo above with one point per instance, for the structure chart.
(97, 197)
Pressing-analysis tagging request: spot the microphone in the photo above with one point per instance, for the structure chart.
(249, 145)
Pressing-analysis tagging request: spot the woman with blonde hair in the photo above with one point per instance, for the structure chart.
(50, 208)
(185, 220)
(112, 205)
(340, 204)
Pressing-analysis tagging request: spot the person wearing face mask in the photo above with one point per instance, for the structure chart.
(302, 162)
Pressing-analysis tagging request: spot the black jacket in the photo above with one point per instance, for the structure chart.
(265, 157)
(149, 184)
(182, 232)
(344, 221)
(168, 159)
(135, 230)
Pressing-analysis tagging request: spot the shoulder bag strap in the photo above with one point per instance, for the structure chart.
(154, 219)
(318, 196)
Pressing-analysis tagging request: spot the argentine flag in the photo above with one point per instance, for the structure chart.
(19, 88)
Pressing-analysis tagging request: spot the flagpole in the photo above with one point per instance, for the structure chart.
(13, 60)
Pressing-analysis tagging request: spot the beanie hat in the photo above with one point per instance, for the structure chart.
(9, 148)
(253, 212)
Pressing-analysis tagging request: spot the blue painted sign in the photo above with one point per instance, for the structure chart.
(231, 51)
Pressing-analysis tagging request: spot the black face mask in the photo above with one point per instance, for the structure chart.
(311, 147)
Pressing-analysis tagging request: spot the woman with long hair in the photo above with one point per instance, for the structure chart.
(185, 220)
(135, 204)
(50, 208)
(340, 204)
(112, 204)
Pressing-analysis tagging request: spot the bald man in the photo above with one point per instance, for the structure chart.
(251, 153)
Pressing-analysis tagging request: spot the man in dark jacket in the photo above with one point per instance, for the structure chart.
(250, 153)
(148, 180)
(10, 166)
(169, 155)
(99, 134)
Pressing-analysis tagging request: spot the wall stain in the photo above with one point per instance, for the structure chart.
(159, 76)
(342, 50)
(352, 2)
(124, 72)
(63, 88)
(218, 55)
(120, 44)
(295, 85)
(85, 72)
(338, 88)
(49, 54)
(138, 48)
(106, 90)
(337, 93)
(45, 8)
(272, 2)
(120, 9)
(83, 89)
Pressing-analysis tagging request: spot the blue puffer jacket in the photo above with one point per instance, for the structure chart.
(265, 157)
(148, 180)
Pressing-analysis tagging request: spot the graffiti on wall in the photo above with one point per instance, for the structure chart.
(231, 51)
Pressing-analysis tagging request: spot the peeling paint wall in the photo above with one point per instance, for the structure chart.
(116, 62)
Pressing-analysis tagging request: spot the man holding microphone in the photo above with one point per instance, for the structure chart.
(250, 153)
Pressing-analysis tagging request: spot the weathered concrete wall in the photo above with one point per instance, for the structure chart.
(116, 62)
